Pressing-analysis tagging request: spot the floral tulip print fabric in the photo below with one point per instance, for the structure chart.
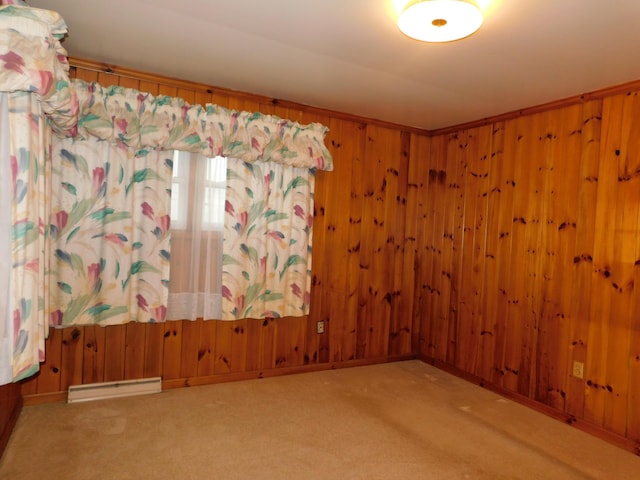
(37, 98)
(267, 247)
(110, 233)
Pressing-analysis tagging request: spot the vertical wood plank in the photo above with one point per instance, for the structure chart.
(114, 348)
(472, 251)
(498, 194)
(224, 333)
(71, 366)
(49, 378)
(128, 82)
(172, 350)
(603, 258)
(520, 136)
(448, 312)
(207, 348)
(268, 336)
(238, 356)
(351, 347)
(134, 350)
(401, 295)
(389, 235)
(84, 74)
(220, 98)
(633, 400)
(624, 146)
(543, 131)
(366, 292)
(583, 253)
(202, 98)
(108, 79)
(434, 235)
(253, 331)
(153, 350)
(190, 348)
(30, 385)
(167, 90)
(187, 95)
(148, 87)
(290, 339)
(541, 291)
(415, 254)
(559, 232)
(93, 356)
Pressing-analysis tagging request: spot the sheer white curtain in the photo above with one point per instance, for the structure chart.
(6, 328)
(197, 220)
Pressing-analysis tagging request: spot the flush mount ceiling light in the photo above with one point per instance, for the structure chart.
(440, 20)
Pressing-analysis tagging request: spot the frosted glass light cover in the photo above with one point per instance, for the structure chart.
(440, 20)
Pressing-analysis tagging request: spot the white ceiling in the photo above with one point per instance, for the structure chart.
(349, 56)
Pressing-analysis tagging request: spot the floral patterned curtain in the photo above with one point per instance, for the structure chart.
(268, 230)
(36, 98)
(110, 233)
(267, 247)
(140, 120)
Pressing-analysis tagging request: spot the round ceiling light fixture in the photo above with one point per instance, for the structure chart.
(440, 20)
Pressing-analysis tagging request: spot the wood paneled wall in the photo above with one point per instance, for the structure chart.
(504, 251)
(362, 279)
(532, 249)
(10, 407)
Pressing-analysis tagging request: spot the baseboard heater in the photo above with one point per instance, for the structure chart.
(125, 388)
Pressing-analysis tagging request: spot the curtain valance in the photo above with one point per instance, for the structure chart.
(141, 120)
(33, 60)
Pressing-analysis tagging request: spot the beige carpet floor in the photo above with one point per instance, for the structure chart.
(404, 420)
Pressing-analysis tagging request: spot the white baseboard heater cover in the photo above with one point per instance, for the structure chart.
(124, 388)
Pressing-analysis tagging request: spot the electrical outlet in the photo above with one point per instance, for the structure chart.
(578, 369)
(320, 327)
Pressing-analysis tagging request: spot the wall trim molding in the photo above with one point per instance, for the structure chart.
(209, 89)
(276, 372)
(599, 94)
(587, 427)
(53, 397)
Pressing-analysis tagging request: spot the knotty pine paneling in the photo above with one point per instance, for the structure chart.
(532, 242)
(504, 251)
(362, 284)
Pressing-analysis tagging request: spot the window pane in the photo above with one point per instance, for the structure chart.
(198, 205)
(179, 190)
(175, 195)
(214, 193)
(217, 169)
(181, 164)
(213, 208)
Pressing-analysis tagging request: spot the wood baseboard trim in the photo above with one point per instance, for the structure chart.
(596, 431)
(53, 397)
(10, 425)
(42, 398)
(276, 372)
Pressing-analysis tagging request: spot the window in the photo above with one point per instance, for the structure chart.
(197, 221)
(198, 192)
